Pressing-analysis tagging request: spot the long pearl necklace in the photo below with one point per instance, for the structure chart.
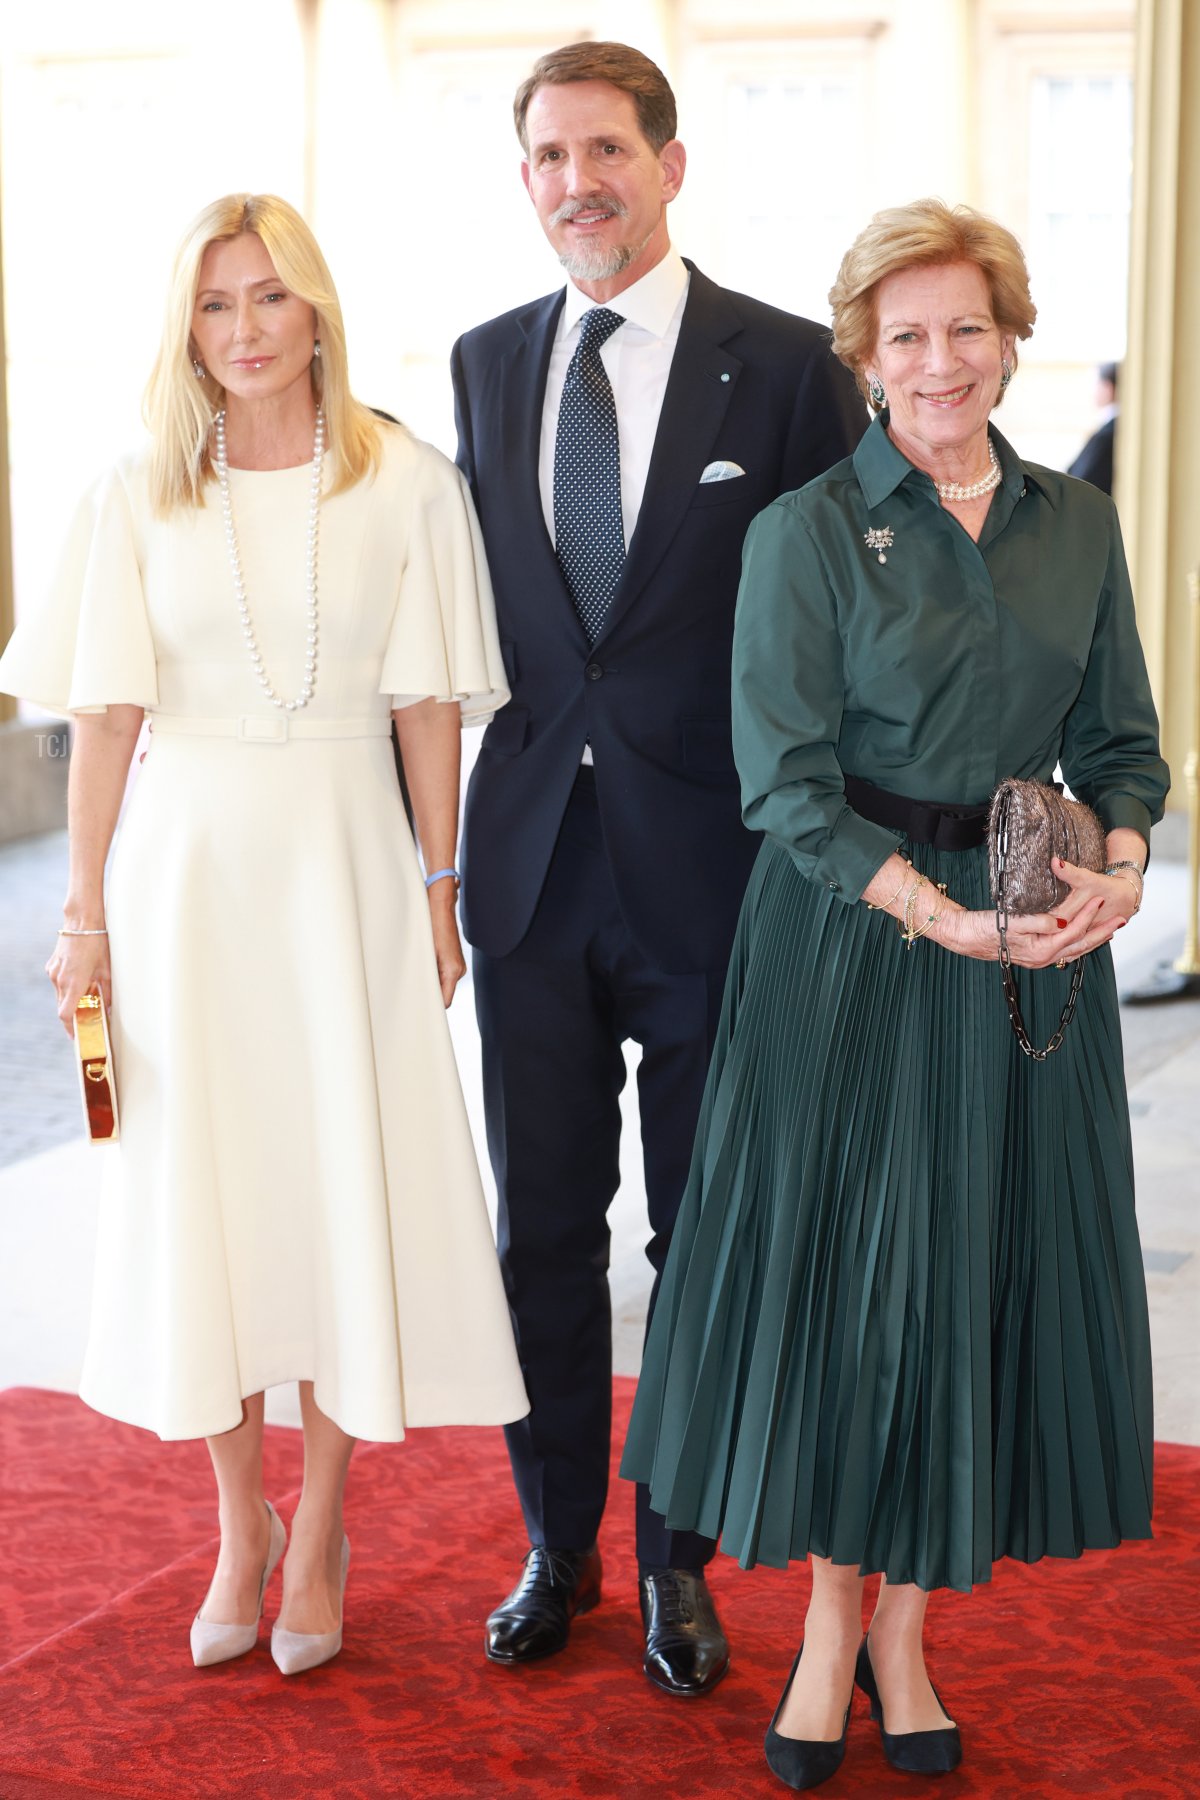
(221, 462)
(974, 490)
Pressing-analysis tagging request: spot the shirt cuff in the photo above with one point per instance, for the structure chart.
(855, 852)
(1121, 812)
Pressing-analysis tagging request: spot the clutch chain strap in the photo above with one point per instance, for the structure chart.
(1012, 999)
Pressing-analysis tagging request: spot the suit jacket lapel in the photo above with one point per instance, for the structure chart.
(702, 379)
(523, 373)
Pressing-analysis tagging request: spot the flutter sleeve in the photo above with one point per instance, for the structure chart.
(444, 643)
(88, 646)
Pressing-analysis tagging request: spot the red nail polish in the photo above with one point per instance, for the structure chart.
(1061, 923)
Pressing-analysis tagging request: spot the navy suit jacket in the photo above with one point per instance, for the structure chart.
(750, 385)
(1095, 461)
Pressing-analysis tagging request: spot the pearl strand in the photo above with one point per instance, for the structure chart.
(974, 490)
(221, 463)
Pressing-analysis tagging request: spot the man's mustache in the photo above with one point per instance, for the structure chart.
(593, 203)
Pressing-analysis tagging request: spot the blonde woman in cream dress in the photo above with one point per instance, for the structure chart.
(295, 1195)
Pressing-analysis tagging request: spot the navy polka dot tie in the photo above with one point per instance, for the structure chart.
(589, 535)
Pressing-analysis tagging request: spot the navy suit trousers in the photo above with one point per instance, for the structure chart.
(553, 1016)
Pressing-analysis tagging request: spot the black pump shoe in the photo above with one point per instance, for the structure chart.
(915, 1752)
(535, 1620)
(803, 1762)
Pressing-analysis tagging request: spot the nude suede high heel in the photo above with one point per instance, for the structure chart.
(295, 1651)
(213, 1643)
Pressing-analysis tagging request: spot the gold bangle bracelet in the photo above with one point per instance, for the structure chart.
(1138, 887)
(883, 905)
(910, 931)
(907, 925)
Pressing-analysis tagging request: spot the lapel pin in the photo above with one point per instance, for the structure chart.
(725, 375)
(880, 540)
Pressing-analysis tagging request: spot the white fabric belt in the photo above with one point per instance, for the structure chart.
(269, 728)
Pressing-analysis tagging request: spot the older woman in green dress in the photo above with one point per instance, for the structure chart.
(903, 1325)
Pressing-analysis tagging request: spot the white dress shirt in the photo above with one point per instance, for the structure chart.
(637, 361)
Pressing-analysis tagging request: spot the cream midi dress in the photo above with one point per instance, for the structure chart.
(295, 1194)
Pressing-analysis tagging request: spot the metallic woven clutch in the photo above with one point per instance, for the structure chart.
(1029, 822)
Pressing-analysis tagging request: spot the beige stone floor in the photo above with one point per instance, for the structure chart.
(47, 1200)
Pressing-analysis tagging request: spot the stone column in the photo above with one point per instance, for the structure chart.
(1158, 439)
(8, 706)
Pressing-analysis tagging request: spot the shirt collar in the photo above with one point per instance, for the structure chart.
(650, 302)
(881, 468)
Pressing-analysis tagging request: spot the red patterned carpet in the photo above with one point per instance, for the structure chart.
(1070, 1679)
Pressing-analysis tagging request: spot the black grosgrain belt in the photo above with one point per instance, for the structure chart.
(921, 821)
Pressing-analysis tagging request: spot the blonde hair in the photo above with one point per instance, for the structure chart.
(179, 409)
(924, 234)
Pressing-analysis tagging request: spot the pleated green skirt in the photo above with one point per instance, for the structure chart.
(903, 1320)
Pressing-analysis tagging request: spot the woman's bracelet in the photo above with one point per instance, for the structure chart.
(1124, 870)
(908, 927)
(1136, 888)
(441, 875)
(100, 931)
(905, 923)
(883, 905)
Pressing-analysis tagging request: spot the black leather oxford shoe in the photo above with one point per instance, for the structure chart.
(686, 1650)
(535, 1620)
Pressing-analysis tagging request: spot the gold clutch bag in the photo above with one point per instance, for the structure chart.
(97, 1078)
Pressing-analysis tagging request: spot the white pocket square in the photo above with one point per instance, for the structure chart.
(722, 471)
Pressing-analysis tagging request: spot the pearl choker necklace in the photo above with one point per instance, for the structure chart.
(974, 490)
(221, 464)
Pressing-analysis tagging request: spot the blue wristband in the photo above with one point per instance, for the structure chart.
(440, 875)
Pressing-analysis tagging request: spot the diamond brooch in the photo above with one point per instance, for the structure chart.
(880, 540)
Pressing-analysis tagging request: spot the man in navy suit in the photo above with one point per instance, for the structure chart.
(1095, 461)
(619, 436)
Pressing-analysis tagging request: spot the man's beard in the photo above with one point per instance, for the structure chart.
(593, 261)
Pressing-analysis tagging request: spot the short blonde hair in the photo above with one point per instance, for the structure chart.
(179, 410)
(924, 234)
